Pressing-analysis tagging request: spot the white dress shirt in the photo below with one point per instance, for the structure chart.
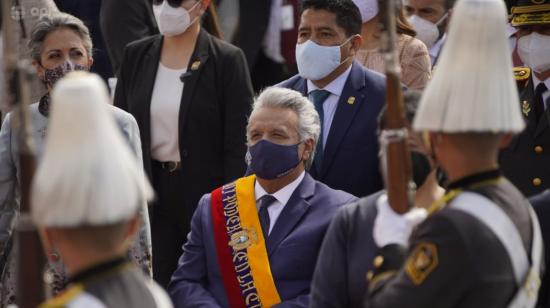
(436, 48)
(546, 94)
(272, 39)
(331, 103)
(282, 196)
(165, 110)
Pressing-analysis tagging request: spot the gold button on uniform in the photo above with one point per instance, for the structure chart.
(537, 181)
(378, 261)
(538, 149)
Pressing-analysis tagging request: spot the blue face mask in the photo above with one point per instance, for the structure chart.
(270, 161)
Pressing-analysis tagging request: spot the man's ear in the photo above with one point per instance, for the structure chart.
(356, 43)
(308, 149)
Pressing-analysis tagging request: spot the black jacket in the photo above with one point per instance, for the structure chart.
(215, 104)
(525, 161)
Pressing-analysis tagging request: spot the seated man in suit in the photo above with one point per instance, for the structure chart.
(348, 250)
(255, 241)
(347, 96)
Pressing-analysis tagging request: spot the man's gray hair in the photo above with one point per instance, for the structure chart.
(309, 125)
(54, 21)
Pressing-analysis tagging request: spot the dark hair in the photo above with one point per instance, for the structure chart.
(210, 22)
(347, 14)
(448, 4)
(411, 98)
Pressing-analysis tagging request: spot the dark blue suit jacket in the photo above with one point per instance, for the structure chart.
(293, 246)
(350, 161)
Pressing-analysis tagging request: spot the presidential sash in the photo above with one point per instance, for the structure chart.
(240, 246)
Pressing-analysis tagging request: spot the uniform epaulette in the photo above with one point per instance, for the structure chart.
(522, 75)
(64, 298)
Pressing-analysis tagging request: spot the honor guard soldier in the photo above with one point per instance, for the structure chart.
(480, 245)
(525, 159)
(86, 197)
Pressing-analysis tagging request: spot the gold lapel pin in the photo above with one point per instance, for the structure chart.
(351, 100)
(525, 108)
(195, 66)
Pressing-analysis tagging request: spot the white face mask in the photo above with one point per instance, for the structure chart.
(426, 31)
(534, 51)
(368, 8)
(315, 61)
(173, 20)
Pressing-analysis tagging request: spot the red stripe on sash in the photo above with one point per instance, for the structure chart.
(224, 253)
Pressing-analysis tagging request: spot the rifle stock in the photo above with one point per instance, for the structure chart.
(399, 186)
(19, 73)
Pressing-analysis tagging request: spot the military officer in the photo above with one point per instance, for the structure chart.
(86, 197)
(525, 158)
(476, 246)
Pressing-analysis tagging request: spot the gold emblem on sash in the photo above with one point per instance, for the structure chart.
(243, 239)
(526, 108)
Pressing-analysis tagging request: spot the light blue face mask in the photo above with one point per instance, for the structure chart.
(315, 61)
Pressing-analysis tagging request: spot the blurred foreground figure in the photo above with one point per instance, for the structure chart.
(86, 198)
(481, 244)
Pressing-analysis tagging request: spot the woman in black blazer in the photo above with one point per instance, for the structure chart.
(192, 144)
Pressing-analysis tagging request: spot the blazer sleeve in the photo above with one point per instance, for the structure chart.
(120, 99)
(122, 22)
(187, 286)
(329, 285)
(237, 98)
(8, 184)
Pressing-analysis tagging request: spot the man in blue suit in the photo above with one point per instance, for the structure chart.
(347, 96)
(256, 241)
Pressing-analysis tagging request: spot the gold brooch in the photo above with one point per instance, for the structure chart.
(243, 239)
(525, 108)
(195, 66)
(351, 100)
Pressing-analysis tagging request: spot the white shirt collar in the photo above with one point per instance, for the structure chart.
(436, 48)
(283, 194)
(335, 87)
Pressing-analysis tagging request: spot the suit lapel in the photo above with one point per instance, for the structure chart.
(292, 213)
(348, 105)
(195, 68)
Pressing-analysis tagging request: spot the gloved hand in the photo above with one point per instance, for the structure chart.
(393, 228)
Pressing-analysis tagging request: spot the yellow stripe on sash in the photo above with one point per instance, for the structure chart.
(257, 252)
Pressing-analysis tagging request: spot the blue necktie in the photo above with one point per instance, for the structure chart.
(318, 97)
(264, 202)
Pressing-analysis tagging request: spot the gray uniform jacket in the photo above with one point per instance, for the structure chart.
(9, 192)
(455, 260)
(346, 256)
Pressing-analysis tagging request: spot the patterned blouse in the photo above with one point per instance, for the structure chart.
(415, 61)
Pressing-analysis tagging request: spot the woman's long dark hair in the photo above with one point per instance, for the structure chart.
(210, 21)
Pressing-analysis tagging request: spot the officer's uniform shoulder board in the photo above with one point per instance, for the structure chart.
(522, 75)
